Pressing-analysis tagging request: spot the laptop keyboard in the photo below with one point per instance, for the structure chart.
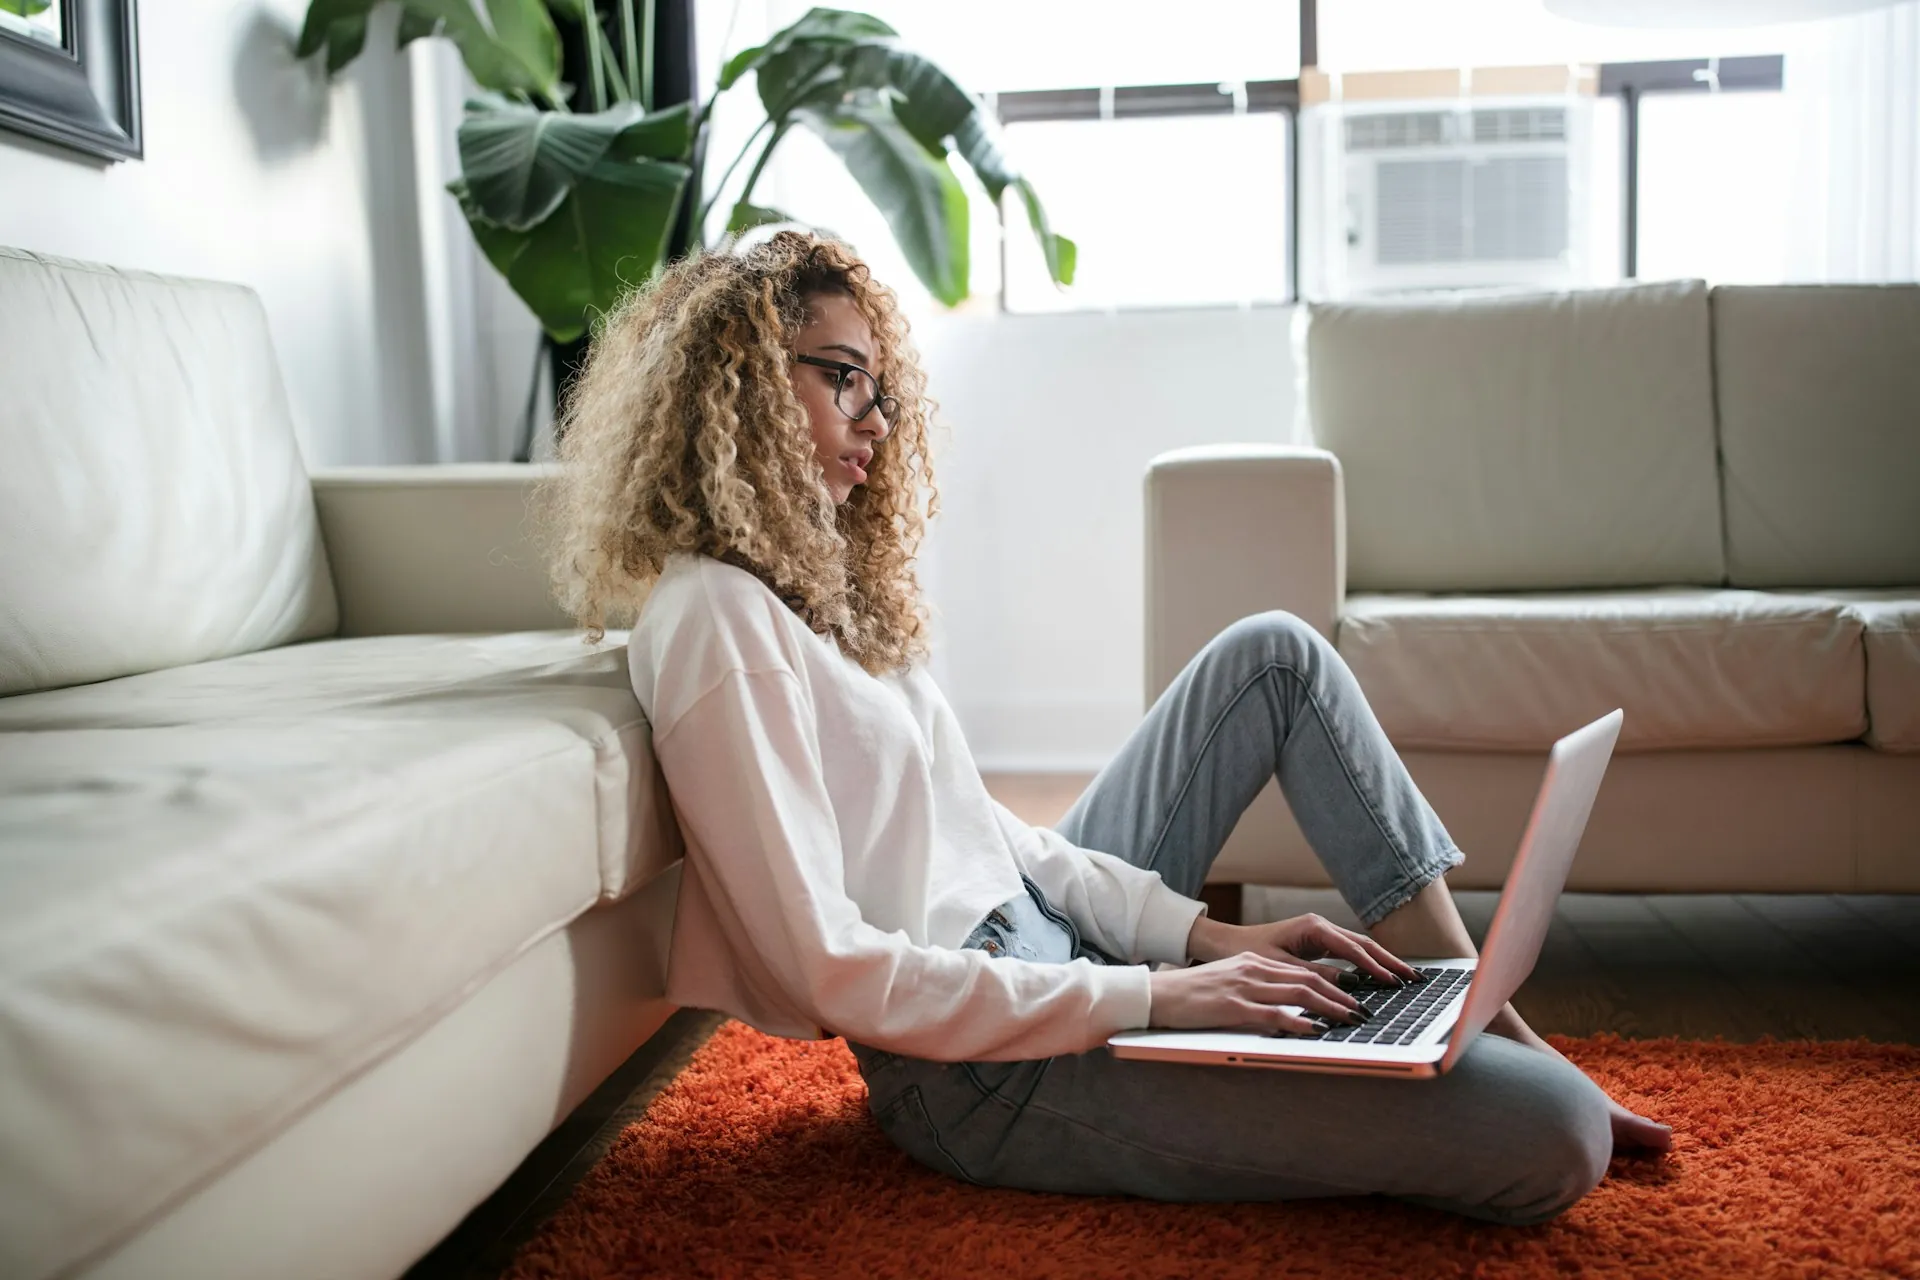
(1400, 1014)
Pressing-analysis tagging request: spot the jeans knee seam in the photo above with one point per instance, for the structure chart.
(1407, 865)
(1409, 868)
(1193, 770)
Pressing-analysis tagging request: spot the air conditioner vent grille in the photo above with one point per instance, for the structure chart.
(1423, 211)
(1520, 124)
(1498, 209)
(1399, 129)
(1520, 208)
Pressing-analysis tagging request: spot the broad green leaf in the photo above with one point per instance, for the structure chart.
(526, 28)
(339, 27)
(664, 135)
(931, 105)
(414, 26)
(514, 50)
(926, 101)
(345, 39)
(519, 163)
(739, 64)
(1061, 253)
(833, 26)
(976, 144)
(606, 236)
(520, 53)
(322, 14)
(25, 8)
(499, 244)
(806, 75)
(915, 190)
(748, 216)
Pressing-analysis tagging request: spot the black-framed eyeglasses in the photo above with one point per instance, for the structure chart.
(855, 391)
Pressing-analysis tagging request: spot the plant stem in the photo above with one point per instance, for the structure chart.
(591, 18)
(700, 218)
(779, 132)
(636, 56)
(615, 75)
(646, 64)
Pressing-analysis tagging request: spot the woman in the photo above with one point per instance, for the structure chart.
(743, 458)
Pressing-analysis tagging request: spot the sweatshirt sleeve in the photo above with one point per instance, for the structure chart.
(742, 763)
(1123, 909)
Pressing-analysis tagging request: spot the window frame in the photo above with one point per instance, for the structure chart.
(1133, 101)
(1629, 81)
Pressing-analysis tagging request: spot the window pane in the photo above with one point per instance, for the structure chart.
(997, 46)
(1167, 211)
(1716, 186)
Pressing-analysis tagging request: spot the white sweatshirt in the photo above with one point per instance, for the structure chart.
(841, 846)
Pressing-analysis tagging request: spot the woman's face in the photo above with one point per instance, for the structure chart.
(837, 331)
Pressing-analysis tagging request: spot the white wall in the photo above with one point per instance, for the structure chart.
(257, 172)
(1036, 562)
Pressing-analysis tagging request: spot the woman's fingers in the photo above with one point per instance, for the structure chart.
(1290, 964)
(1267, 1017)
(1308, 998)
(1306, 980)
(1399, 967)
(1280, 1020)
(1367, 954)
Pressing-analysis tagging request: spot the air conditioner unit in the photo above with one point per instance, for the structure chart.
(1449, 194)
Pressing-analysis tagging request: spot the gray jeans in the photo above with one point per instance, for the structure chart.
(1510, 1135)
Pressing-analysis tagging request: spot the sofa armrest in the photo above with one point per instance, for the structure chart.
(435, 549)
(1237, 529)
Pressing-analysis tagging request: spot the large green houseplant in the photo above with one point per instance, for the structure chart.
(574, 207)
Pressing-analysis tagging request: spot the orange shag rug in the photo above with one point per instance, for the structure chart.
(760, 1159)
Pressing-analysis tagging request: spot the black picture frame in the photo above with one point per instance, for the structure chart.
(85, 95)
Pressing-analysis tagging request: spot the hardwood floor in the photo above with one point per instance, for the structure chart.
(1738, 966)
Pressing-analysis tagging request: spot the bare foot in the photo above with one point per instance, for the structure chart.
(1631, 1132)
(1636, 1132)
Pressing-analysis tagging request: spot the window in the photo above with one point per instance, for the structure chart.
(1160, 148)
(1425, 146)
(1167, 211)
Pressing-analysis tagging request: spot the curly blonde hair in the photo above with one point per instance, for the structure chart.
(683, 433)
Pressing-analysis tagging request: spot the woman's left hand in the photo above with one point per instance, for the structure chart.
(1297, 940)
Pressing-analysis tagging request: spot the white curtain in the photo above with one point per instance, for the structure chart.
(1857, 215)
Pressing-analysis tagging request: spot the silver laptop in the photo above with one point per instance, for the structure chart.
(1422, 1029)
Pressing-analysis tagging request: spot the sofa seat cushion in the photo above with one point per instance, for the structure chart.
(1693, 668)
(1891, 617)
(225, 889)
(550, 677)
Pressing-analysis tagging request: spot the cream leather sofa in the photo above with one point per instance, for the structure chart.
(1522, 511)
(334, 869)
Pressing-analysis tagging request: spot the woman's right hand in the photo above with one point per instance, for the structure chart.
(1246, 991)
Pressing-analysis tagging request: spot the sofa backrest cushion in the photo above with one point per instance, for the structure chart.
(1521, 441)
(154, 508)
(1819, 391)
